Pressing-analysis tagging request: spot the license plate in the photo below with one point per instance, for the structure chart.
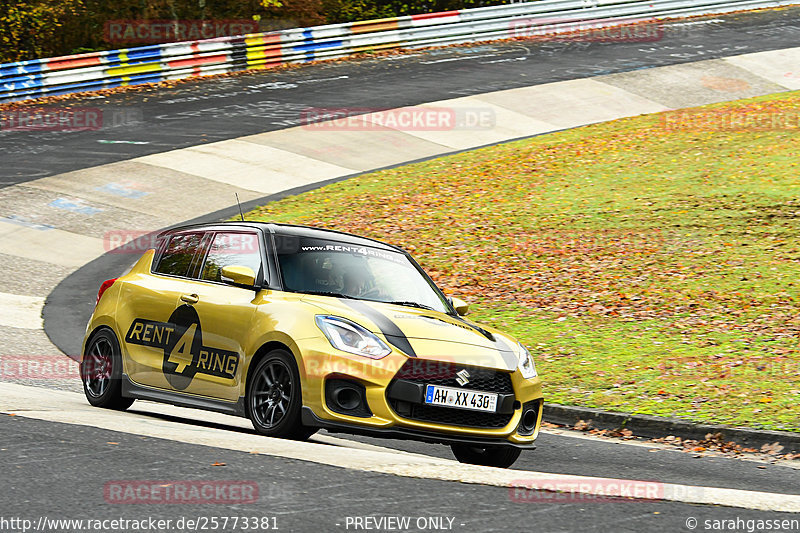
(460, 398)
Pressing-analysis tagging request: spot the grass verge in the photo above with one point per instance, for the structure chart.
(651, 263)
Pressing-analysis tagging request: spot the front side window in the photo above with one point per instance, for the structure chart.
(232, 249)
(347, 270)
(179, 254)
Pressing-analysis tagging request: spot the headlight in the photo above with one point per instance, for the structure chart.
(526, 364)
(349, 337)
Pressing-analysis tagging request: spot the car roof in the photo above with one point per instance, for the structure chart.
(288, 229)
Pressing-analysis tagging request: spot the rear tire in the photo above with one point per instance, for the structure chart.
(497, 456)
(101, 372)
(274, 397)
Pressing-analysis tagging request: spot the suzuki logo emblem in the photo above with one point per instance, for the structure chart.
(462, 377)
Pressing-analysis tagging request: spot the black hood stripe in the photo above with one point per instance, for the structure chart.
(390, 330)
(472, 325)
(506, 351)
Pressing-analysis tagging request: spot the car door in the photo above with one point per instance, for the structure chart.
(213, 352)
(148, 302)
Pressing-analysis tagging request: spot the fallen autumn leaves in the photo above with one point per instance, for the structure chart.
(652, 268)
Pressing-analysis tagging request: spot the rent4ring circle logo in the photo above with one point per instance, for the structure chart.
(181, 338)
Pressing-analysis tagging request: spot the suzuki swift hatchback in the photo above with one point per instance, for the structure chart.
(299, 329)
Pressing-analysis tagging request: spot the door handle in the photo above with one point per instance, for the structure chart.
(190, 298)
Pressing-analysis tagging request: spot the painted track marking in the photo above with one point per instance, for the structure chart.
(156, 422)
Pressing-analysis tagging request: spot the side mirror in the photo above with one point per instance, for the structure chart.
(239, 275)
(461, 307)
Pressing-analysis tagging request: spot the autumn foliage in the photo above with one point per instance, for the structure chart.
(31, 29)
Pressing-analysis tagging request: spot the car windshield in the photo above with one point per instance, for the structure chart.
(347, 270)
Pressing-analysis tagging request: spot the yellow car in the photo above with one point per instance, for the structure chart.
(300, 329)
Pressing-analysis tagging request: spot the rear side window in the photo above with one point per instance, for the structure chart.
(179, 254)
(229, 249)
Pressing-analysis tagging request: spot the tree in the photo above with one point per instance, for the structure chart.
(32, 28)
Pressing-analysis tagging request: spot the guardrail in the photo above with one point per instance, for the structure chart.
(147, 64)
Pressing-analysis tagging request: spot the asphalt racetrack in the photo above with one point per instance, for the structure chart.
(58, 461)
(203, 111)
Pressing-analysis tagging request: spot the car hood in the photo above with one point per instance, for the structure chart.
(427, 334)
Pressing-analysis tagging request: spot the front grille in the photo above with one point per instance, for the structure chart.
(454, 417)
(444, 374)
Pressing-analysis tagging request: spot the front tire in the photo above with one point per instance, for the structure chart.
(274, 397)
(497, 456)
(101, 372)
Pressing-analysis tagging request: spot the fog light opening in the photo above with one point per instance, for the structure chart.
(347, 398)
(529, 419)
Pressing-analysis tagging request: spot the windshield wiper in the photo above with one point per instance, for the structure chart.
(347, 296)
(328, 293)
(413, 304)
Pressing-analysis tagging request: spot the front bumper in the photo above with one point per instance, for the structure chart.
(402, 433)
(394, 406)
